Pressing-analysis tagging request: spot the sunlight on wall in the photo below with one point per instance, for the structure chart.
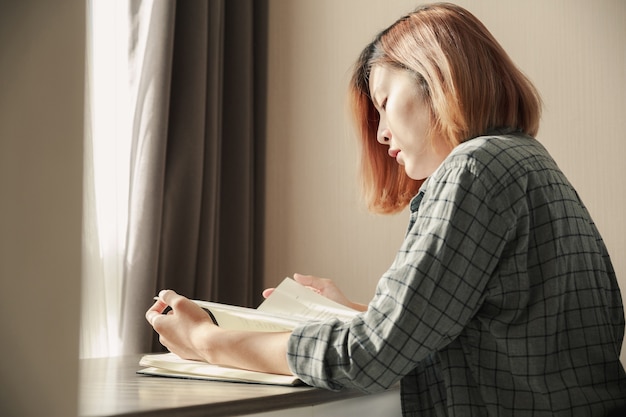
(106, 179)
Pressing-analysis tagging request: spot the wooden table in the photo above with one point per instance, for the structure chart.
(110, 387)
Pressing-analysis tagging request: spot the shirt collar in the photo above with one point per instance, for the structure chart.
(415, 201)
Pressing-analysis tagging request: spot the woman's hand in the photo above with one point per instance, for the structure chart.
(186, 329)
(325, 287)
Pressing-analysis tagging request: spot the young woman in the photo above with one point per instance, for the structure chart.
(502, 299)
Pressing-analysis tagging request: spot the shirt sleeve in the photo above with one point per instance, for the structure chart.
(432, 290)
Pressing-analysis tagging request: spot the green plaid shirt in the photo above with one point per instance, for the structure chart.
(502, 299)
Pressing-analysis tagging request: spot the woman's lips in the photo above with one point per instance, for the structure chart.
(393, 152)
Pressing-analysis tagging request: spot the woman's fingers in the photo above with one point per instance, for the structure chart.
(155, 311)
(169, 297)
(165, 299)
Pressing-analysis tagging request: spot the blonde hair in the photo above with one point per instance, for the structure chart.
(466, 78)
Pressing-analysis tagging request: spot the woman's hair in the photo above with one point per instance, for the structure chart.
(466, 78)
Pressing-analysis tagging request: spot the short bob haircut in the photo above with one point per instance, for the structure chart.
(465, 76)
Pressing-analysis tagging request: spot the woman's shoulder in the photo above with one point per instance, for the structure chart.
(494, 164)
(501, 155)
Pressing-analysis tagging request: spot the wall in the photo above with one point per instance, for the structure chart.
(315, 222)
(41, 131)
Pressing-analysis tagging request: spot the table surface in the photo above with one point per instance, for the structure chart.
(111, 387)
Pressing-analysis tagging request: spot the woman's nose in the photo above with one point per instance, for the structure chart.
(383, 135)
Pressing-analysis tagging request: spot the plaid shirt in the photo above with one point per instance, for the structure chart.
(502, 299)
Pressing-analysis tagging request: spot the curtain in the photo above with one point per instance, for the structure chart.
(196, 167)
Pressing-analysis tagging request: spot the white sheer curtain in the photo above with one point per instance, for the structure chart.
(169, 202)
(106, 167)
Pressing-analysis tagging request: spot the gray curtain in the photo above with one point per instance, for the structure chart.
(197, 158)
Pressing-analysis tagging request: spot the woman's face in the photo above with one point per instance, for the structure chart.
(405, 121)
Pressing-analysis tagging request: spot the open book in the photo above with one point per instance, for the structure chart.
(289, 306)
(171, 365)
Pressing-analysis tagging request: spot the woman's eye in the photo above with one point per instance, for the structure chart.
(383, 105)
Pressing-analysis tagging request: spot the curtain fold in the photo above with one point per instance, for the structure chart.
(196, 157)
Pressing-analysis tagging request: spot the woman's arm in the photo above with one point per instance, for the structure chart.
(188, 331)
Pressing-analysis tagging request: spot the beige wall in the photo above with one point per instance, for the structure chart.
(41, 131)
(572, 49)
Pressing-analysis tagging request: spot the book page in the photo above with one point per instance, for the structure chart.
(289, 306)
(296, 300)
(242, 318)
